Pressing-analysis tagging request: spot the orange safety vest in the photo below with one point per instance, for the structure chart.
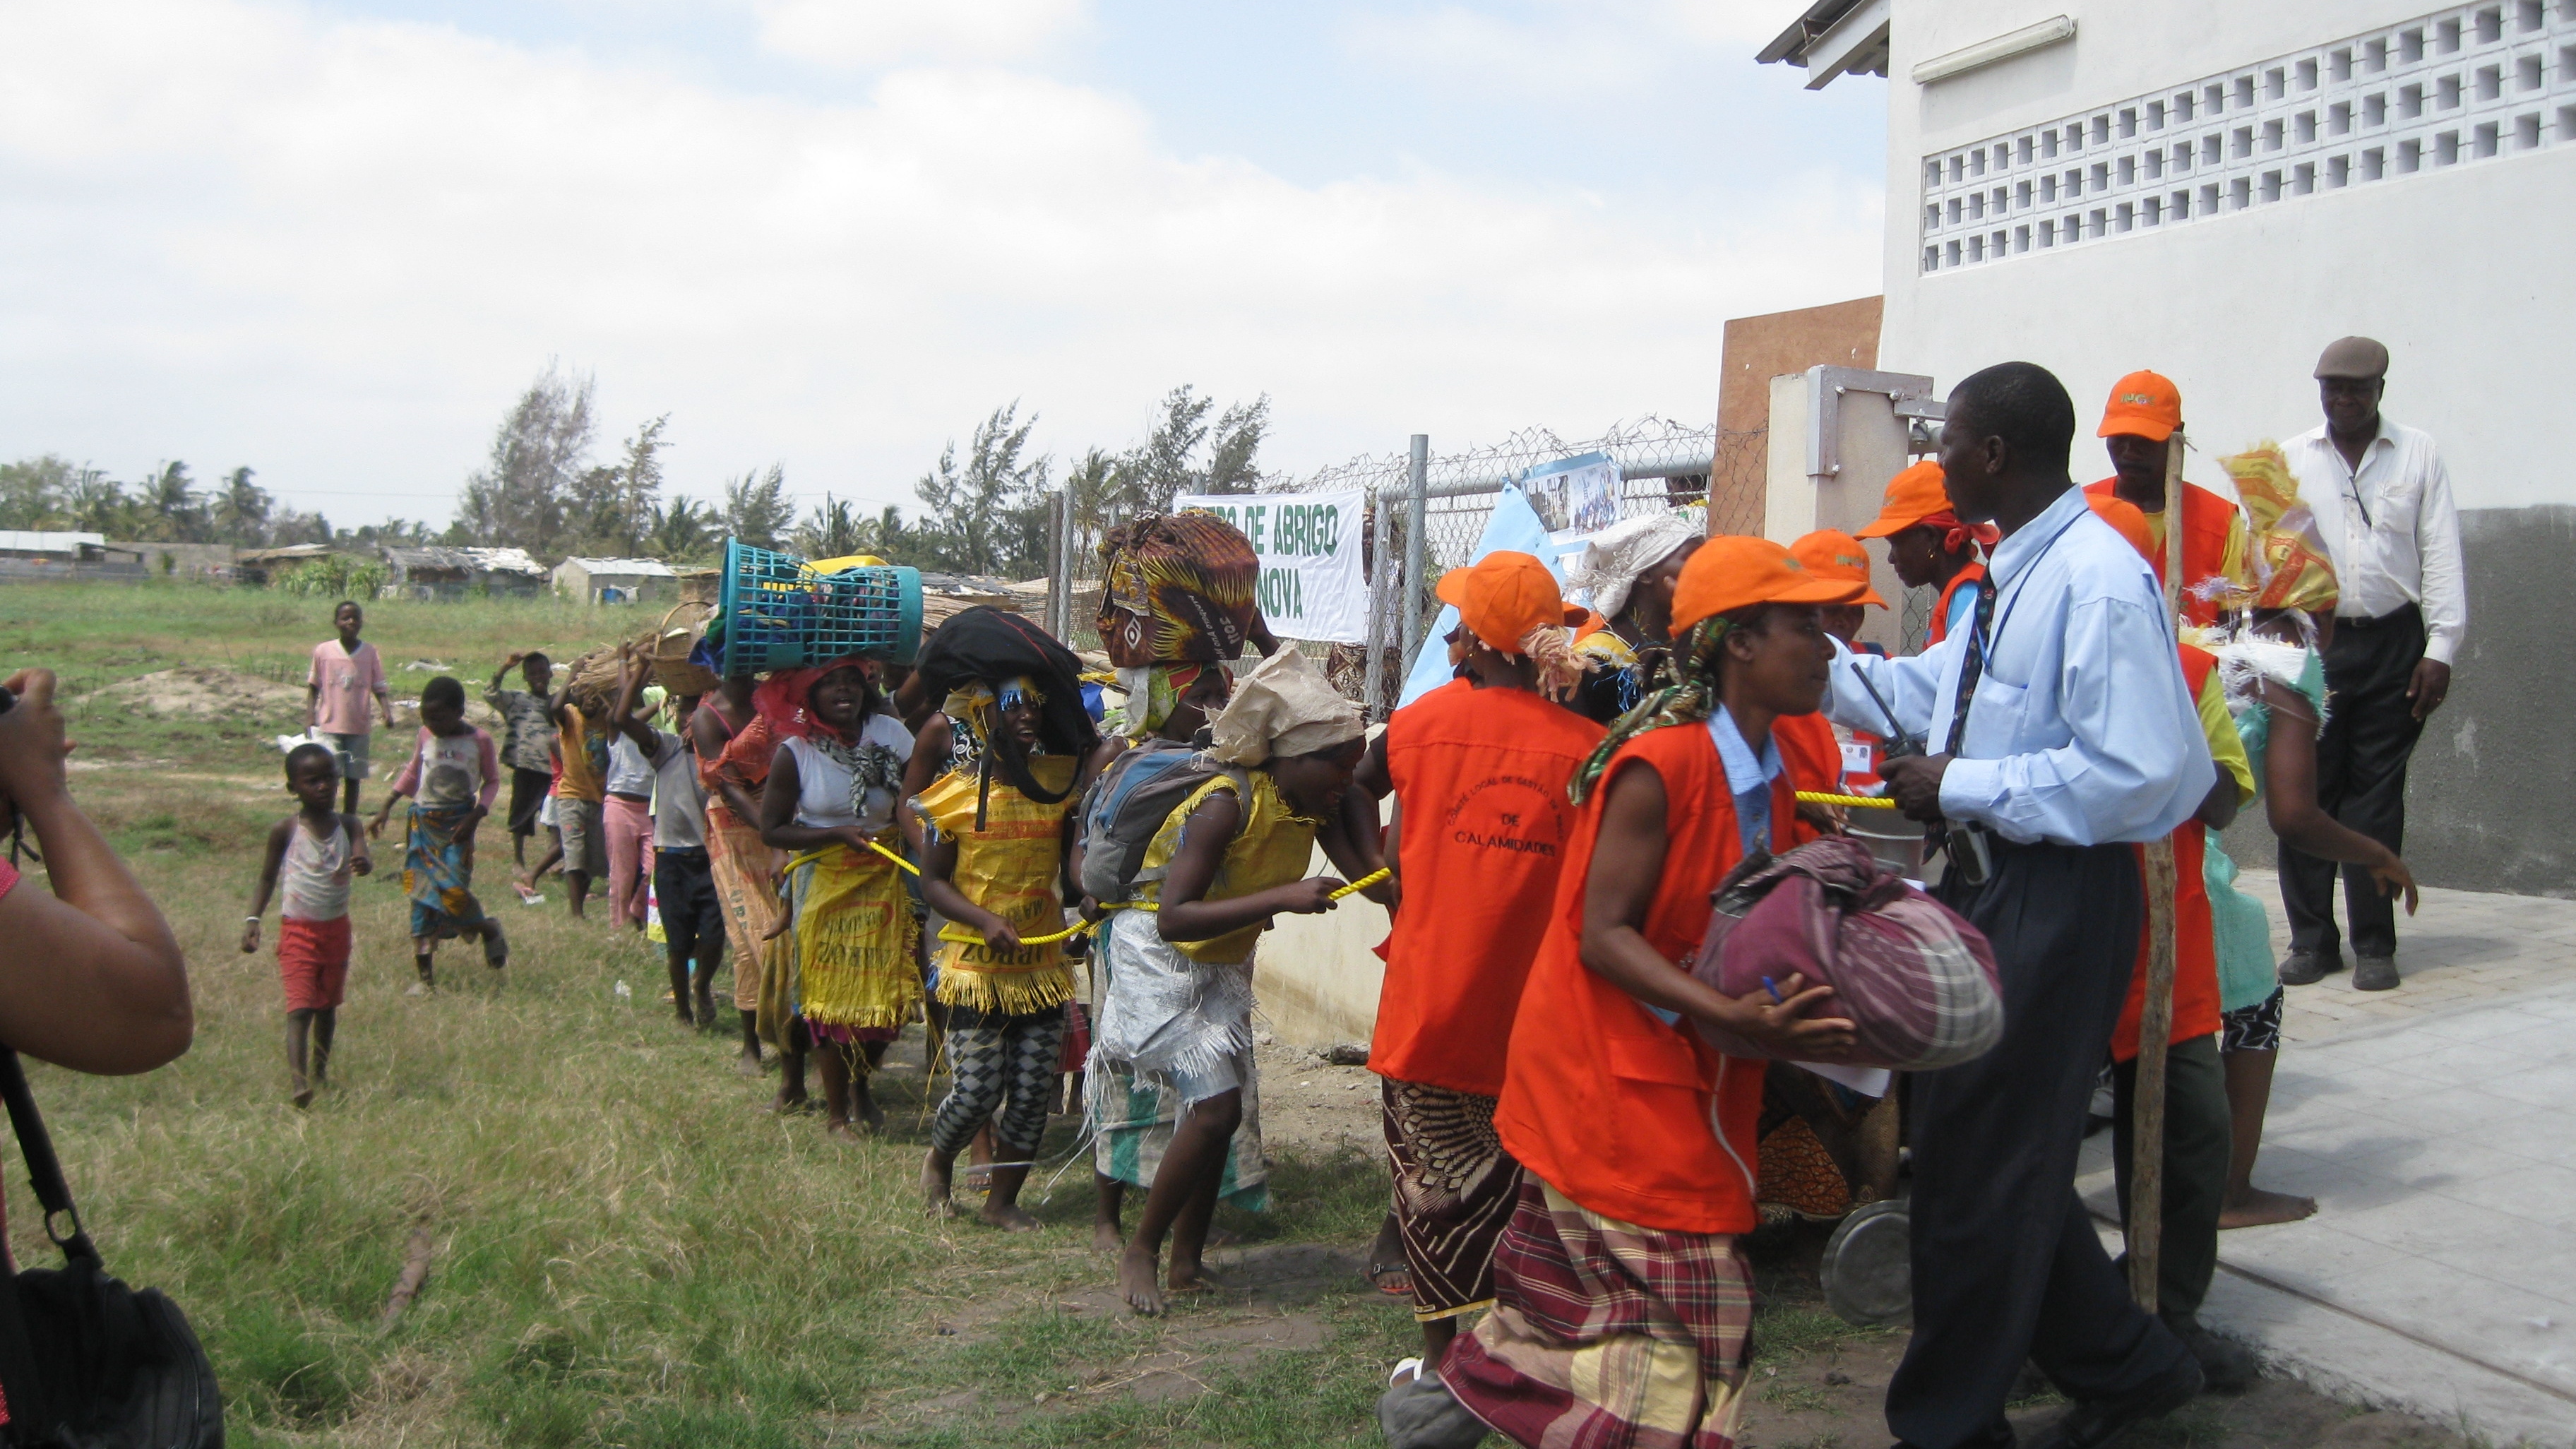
(1965, 578)
(1602, 1100)
(2195, 986)
(2207, 519)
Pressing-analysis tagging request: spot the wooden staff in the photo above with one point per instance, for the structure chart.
(2155, 1017)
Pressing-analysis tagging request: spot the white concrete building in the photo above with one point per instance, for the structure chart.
(2217, 190)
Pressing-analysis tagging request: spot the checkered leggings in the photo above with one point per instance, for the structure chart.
(992, 1058)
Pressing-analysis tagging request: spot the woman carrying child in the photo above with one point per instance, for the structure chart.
(829, 801)
(452, 777)
(1178, 1012)
(994, 865)
(316, 850)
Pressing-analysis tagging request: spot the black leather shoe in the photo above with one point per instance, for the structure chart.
(2374, 973)
(2097, 1422)
(2307, 968)
(2226, 1367)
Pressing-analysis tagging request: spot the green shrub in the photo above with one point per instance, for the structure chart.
(333, 576)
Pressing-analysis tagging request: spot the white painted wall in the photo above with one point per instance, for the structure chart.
(2465, 272)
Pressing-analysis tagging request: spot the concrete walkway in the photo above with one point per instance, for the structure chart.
(2436, 1126)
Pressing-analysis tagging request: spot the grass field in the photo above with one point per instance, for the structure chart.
(628, 1250)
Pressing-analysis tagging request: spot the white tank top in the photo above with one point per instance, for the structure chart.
(313, 881)
(823, 783)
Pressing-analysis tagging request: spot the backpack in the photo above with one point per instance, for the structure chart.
(1917, 982)
(1128, 803)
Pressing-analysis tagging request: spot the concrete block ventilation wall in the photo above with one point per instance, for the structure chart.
(2493, 783)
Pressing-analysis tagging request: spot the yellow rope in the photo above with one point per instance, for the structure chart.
(968, 937)
(811, 856)
(1865, 802)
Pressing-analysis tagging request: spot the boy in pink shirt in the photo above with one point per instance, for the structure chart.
(344, 673)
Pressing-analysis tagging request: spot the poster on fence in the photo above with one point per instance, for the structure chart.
(1575, 495)
(1312, 584)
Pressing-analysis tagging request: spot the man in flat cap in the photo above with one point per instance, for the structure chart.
(2383, 503)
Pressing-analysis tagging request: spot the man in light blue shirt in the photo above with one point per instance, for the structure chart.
(2060, 724)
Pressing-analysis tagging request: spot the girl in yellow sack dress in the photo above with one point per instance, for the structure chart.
(829, 802)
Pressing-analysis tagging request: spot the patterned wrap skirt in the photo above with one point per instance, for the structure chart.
(438, 874)
(740, 863)
(1607, 1335)
(1455, 1192)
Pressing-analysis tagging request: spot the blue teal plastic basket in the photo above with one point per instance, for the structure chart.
(777, 613)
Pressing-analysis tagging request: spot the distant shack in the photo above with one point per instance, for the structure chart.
(455, 573)
(616, 580)
(38, 554)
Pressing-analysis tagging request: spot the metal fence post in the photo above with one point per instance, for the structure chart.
(1419, 484)
(1381, 565)
(1057, 596)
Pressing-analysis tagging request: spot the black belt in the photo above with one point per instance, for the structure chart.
(2402, 614)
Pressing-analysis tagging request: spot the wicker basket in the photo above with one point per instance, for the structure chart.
(701, 586)
(594, 681)
(668, 645)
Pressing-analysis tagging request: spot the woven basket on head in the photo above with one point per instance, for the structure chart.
(594, 680)
(668, 646)
(701, 586)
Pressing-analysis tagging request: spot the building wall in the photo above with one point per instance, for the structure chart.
(2460, 270)
(187, 560)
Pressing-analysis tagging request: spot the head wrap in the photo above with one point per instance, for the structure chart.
(785, 698)
(2291, 567)
(1689, 696)
(1283, 707)
(1956, 535)
(1153, 692)
(1614, 558)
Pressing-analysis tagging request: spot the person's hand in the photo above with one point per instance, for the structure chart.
(250, 936)
(32, 746)
(1090, 910)
(856, 839)
(1831, 819)
(473, 818)
(1001, 935)
(2429, 686)
(2393, 879)
(517, 657)
(376, 827)
(365, 864)
(1783, 1026)
(1310, 897)
(1915, 783)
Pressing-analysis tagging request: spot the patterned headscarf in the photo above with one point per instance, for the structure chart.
(2292, 569)
(1689, 696)
(1617, 556)
(785, 699)
(1956, 535)
(1153, 692)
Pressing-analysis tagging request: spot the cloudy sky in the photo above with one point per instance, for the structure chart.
(334, 240)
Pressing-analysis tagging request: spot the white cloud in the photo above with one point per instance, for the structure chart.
(336, 251)
(1562, 44)
(875, 32)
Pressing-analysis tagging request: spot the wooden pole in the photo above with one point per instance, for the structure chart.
(2155, 1018)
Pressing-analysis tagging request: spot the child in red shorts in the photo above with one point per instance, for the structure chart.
(319, 850)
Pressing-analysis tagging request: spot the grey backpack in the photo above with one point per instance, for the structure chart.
(1129, 801)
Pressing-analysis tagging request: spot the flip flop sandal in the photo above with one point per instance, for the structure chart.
(1406, 1371)
(1377, 1275)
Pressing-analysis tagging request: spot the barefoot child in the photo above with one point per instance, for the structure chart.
(684, 886)
(1231, 856)
(345, 675)
(319, 850)
(452, 776)
(829, 802)
(994, 865)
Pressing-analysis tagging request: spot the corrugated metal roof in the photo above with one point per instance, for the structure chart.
(650, 568)
(33, 540)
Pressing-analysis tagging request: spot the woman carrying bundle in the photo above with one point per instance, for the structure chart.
(993, 865)
(1628, 570)
(829, 802)
(1178, 1012)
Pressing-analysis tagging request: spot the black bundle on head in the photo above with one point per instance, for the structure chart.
(444, 692)
(2022, 403)
(993, 646)
(311, 750)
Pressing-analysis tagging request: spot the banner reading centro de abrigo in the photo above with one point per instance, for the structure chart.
(1312, 584)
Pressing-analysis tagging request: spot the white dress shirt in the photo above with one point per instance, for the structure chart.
(2390, 527)
(2081, 730)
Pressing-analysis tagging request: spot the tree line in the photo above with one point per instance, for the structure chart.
(981, 509)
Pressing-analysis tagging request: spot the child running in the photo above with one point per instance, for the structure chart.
(453, 775)
(994, 864)
(829, 801)
(1179, 1010)
(319, 850)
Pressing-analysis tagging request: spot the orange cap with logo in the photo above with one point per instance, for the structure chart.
(2143, 405)
(1503, 596)
(1734, 572)
(1912, 496)
(1830, 553)
(2128, 518)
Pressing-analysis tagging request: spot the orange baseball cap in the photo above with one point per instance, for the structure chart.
(2128, 518)
(2143, 405)
(1503, 596)
(1733, 572)
(1830, 553)
(1912, 496)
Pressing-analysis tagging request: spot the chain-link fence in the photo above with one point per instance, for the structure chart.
(1662, 465)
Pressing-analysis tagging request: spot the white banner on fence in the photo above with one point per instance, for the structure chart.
(1311, 584)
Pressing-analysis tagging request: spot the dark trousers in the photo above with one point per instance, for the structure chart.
(2196, 1142)
(684, 891)
(2006, 1264)
(528, 799)
(2361, 780)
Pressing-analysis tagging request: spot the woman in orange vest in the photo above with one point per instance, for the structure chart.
(1622, 1298)
(1927, 545)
